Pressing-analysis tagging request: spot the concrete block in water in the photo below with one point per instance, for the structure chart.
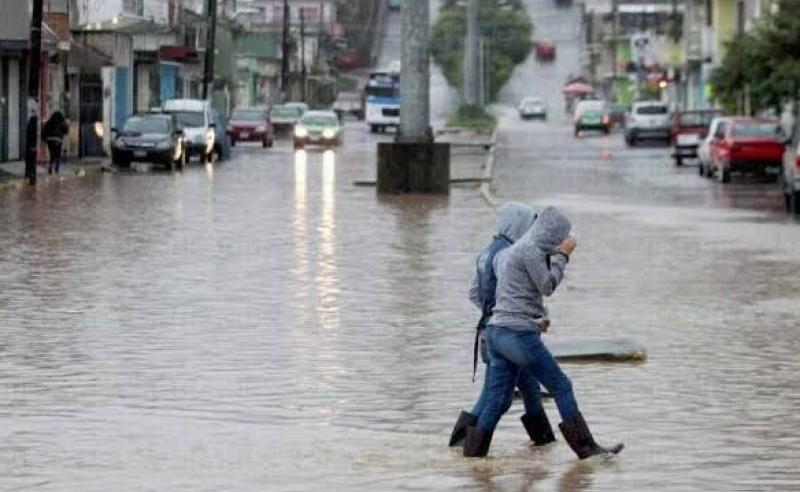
(413, 167)
(597, 350)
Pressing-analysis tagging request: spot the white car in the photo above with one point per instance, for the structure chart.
(197, 123)
(532, 107)
(648, 120)
(704, 149)
(791, 174)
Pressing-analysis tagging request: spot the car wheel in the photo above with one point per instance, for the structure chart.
(373, 128)
(678, 161)
(577, 132)
(701, 169)
(606, 130)
(233, 142)
(265, 143)
(632, 141)
(271, 143)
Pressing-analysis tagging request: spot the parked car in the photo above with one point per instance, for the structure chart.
(154, 138)
(351, 103)
(742, 144)
(592, 114)
(251, 125)
(791, 174)
(195, 119)
(532, 107)
(704, 150)
(648, 120)
(689, 128)
(347, 60)
(545, 50)
(299, 106)
(284, 118)
(318, 127)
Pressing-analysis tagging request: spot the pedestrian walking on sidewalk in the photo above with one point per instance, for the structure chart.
(527, 272)
(513, 220)
(53, 133)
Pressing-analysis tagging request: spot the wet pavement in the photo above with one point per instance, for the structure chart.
(264, 324)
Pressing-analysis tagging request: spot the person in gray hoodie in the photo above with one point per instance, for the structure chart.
(513, 220)
(527, 272)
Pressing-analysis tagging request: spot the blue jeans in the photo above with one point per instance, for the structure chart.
(528, 387)
(510, 352)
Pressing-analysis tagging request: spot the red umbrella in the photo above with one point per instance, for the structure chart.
(577, 88)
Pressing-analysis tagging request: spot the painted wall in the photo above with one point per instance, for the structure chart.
(723, 26)
(101, 10)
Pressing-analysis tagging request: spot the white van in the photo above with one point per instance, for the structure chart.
(195, 119)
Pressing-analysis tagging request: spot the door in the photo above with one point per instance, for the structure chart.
(91, 115)
(122, 111)
(168, 81)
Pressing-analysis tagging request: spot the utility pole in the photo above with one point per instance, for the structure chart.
(285, 53)
(471, 75)
(34, 65)
(208, 76)
(614, 35)
(415, 71)
(303, 52)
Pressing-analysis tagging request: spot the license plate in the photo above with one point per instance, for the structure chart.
(245, 136)
(140, 153)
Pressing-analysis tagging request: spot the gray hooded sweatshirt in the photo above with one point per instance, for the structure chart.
(528, 271)
(513, 220)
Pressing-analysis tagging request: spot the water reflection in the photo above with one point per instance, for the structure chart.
(327, 282)
(300, 221)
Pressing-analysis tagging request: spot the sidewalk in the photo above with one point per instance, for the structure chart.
(12, 174)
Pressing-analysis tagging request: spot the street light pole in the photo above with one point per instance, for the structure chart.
(208, 76)
(285, 53)
(34, 65)
(471, 73)
(415, 72)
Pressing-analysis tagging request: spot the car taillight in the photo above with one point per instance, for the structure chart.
(736, 148)
(606, 119)
(797, 158)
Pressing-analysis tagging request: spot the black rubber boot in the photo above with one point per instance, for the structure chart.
(538, 428)
(465, 419)
(579, 438)
(477, 443)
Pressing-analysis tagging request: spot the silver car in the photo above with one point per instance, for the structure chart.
(532, 107)
(791, 174)
(648, 120)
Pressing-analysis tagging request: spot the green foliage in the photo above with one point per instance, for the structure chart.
(472, 117)
(506, 28)
(762, 64)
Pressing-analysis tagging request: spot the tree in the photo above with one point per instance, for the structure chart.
(504, 24)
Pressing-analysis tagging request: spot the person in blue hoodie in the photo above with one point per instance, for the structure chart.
(513, 220)
(527, 272)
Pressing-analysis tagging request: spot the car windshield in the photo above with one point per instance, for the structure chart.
(378, 91)
(756, 129)
(651, 109)
(248, 115)
(190, 119)
(147, 125)
(697, 119)
(320, 120)
(285, 112)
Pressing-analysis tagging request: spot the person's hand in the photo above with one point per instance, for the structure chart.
(568, 246)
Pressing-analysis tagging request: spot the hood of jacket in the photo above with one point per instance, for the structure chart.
(514, 220)
(549, 231)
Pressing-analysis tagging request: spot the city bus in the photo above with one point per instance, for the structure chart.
(382, 94)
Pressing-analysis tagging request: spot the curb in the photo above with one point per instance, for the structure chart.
(80, 171)
(488, 173)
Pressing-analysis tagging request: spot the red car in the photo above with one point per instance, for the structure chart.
(746, 145)
(251, 125)
(545, 50)
(689, 128)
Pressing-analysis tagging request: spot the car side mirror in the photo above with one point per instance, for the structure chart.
(114, 130)
(787, 142)
(178, 132)
(212, 126)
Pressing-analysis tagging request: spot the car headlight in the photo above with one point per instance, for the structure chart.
(261, 129)
(300, 132)
(119, 143)
(163, 145)
(328, 133)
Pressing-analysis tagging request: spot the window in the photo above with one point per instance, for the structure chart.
(720, 133)
(134, 7)
(709, 13)
(740, 19)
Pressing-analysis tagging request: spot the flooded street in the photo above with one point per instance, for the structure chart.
(264, 324)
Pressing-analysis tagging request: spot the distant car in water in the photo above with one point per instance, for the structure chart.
(347, 60)
(284, 117)
(748, 145)
(592, 114)
(251, 125)
(617, 114)
(349, 103)
(532, 107)
(648, 120)
(154, 138)
(318, 127)
(689, 128)
(545, 50)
